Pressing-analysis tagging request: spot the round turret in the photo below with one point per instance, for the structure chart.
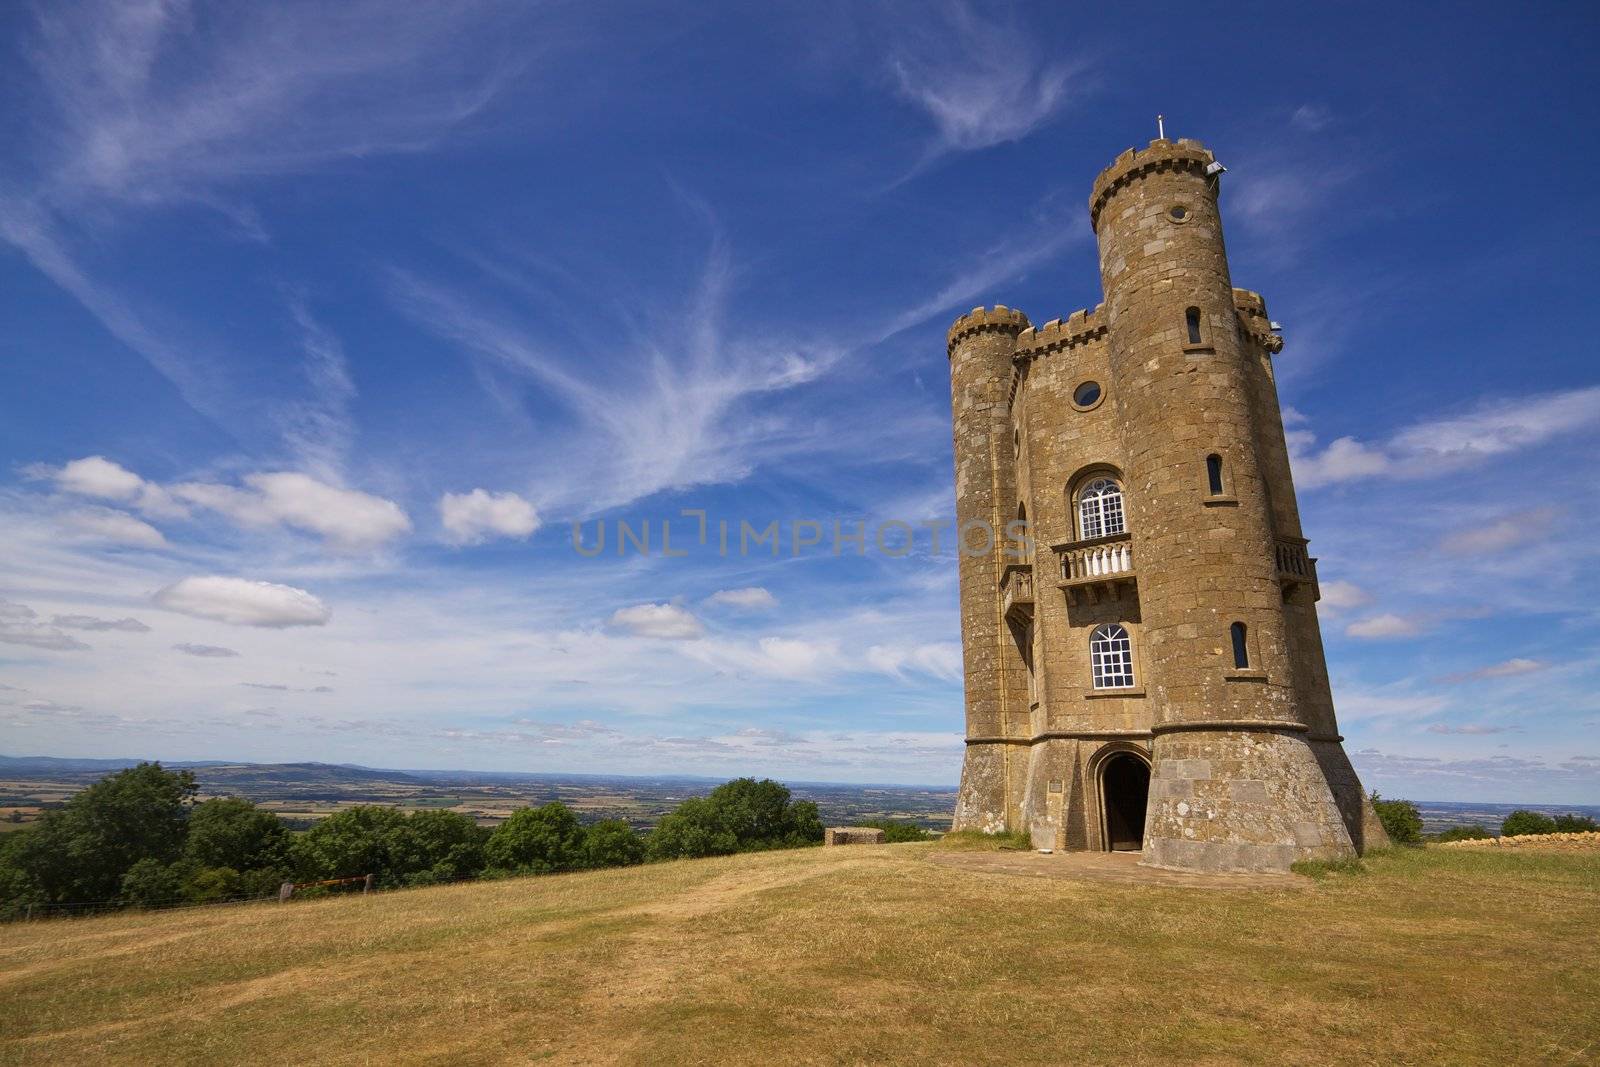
(981, 345)
(1218, 664)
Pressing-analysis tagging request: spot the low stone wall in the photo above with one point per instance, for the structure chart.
(1572, 841)
(852, 835)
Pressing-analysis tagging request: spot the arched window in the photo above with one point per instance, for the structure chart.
(1111, 657)
(1214, 473)
(1191, 319)
(1100, 509)
(1241, 654)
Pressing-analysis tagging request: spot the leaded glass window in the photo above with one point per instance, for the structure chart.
(1100, 509)
(1111, 657)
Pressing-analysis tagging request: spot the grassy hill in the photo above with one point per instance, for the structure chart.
(840, 955)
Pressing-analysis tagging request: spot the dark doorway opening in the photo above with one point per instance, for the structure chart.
(1125, 787)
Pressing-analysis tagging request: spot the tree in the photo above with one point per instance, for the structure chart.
(611, 843)
(151, 883)
(690, 831)
(743, 815)
(83, 850)
(230, 832)
(1400, 818)
(1463, 833)
(542, 839)
(1575, 824)
(439, 846)
(1521, 823)
(897, 832)
(365, 839)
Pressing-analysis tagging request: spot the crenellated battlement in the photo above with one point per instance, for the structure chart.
(1137, 162)
(981, 320)
(1078, 328)
(1249, 302)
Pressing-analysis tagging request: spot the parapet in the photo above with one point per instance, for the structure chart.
(1078, 328)
(981, 320)
(1253, 319)
(1134, 163)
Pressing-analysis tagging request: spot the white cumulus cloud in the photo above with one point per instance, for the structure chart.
(475, 517)
(346, 517)
(103, 479)
(243, 602)
(667, 621)
(115, 527)
(1340, 596)
(1385, 625)
(748, 598)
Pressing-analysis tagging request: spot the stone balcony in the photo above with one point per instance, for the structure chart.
(1297, 569)
(1101, 566)
(1016, 591)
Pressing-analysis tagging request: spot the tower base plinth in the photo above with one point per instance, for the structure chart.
(1240, 799)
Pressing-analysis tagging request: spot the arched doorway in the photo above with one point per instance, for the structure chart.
(1124, 791)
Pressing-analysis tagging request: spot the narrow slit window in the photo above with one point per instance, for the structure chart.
(1214, 473)
(1241, 652)
(1191, 319)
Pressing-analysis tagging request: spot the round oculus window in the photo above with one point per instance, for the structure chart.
(1178, 212)
(1086, 395)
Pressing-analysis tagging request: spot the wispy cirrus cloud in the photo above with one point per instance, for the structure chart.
(138, 107)
(682, 415)
(1510, 668)
(1497, 535)
(980, 80)
(1444, 445)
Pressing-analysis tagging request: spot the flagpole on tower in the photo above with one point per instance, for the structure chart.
(1161, 127)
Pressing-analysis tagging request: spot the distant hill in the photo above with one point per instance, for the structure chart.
(56, 764)
(209, 772)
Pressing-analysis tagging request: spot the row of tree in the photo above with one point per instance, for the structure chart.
(1522, 823)
(1403, 822)
(139, 837)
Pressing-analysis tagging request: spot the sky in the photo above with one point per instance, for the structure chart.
(324, 325)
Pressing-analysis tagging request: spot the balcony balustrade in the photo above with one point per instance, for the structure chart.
(1101, 565)
(1297, 569)
(1016, 590)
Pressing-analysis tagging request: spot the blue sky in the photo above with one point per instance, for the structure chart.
(324, 323)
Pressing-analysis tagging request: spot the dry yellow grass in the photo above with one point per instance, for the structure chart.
(854, 955)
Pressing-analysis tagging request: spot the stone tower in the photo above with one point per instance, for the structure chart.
(1144, 668)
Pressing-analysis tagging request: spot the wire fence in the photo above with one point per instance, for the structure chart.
(80, 908)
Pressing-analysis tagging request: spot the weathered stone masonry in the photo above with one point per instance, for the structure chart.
(1142, 443)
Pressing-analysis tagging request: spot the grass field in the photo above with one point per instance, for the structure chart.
(840, 955)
